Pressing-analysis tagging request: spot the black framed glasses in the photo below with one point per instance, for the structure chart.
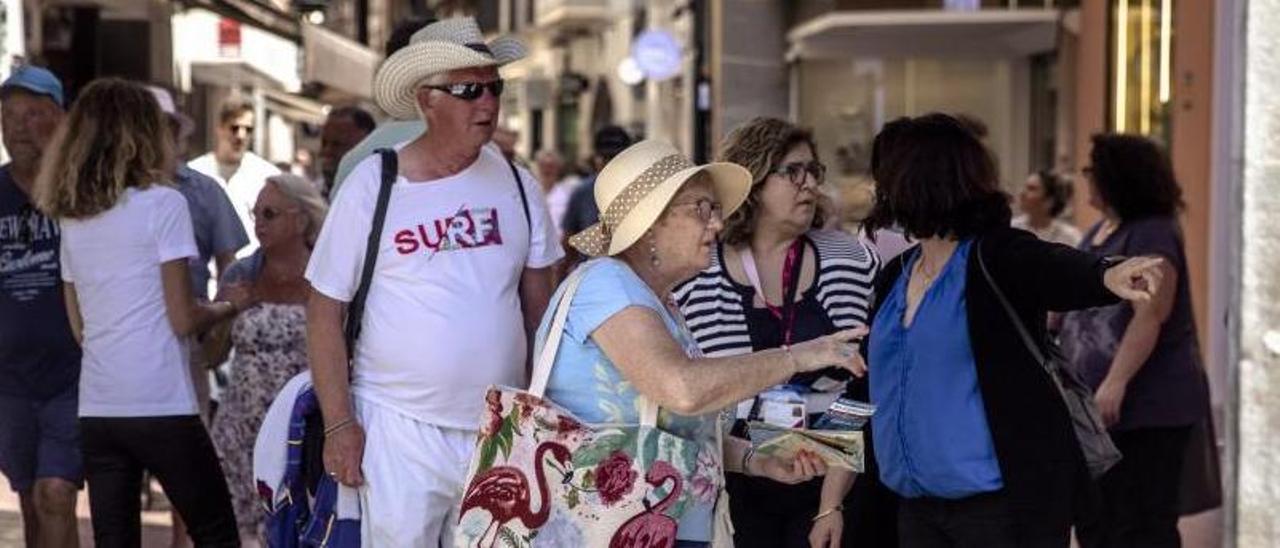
(706, 209)
(795, 172)
(470, 91)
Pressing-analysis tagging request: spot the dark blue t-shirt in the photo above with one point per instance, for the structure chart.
(1170, 389)
(39, 356)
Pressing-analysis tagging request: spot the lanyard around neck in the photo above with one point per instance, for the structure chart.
(786, 313)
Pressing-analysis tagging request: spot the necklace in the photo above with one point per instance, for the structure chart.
(920, 269)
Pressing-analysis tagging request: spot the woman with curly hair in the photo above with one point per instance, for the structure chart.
(1141, 358)
(776, 279)
(126, 238)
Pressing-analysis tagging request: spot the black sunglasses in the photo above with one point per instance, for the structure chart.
(470, 91)
(795, 172)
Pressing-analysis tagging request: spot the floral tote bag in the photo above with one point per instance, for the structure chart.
(541, 477)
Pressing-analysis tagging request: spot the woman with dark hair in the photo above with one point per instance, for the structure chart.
(1043, 198)
(1143, 358)
(126, 240)
(776, 279)
(970, 430)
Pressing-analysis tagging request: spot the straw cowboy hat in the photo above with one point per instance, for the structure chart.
(635, 187)
(446, 45)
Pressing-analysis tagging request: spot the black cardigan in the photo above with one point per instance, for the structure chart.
(1040, 460)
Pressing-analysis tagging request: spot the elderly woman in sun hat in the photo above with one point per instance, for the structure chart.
(624, 337)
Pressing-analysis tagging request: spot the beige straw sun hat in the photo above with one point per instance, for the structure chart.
(445, 45)
(635, 187)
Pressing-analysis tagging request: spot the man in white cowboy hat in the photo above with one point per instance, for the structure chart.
(461, 277)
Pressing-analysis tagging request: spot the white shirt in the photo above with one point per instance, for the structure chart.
(242, 188)
(443, 318)
(558, 200)
(1058, 231)
(133, 365)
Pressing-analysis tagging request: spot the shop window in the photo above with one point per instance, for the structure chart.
(1140, 45)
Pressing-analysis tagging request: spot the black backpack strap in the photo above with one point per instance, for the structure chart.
(524, 198)
(355, 310)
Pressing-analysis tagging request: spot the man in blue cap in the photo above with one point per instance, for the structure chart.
(39, 357)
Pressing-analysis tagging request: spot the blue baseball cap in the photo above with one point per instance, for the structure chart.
(35, 80)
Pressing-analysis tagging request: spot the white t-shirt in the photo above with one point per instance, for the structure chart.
(558, 199)
(1058, 231)
(134, 365)
(443, 318)
(243, 188)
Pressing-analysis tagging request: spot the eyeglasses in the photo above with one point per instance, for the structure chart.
(268, 213)
(470, 91)
(795, 172)
(706, 209)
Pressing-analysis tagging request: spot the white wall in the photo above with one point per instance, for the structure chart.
(195, 39)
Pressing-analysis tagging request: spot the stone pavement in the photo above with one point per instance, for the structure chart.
(1199, 531)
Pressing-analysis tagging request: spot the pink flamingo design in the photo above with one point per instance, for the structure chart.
(503, 491)
(651, 528)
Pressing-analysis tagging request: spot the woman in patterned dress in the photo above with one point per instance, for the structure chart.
(269, 336)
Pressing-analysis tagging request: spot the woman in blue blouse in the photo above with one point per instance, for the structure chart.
(970, 430)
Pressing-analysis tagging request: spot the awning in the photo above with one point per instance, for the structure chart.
(925, 33)
(295, 107)
(232, 73)
(338, 62)
(261, 13)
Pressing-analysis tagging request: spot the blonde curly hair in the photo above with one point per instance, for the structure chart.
(760, 145)
(114, 138)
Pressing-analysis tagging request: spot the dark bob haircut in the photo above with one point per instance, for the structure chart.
(1133, 177)
(935, 179)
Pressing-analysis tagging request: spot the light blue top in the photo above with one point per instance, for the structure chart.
(386, 135)
(932, 438)
(586, 382)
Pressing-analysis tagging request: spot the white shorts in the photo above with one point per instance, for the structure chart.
(414, 473)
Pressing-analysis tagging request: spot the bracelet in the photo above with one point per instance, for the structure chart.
(746, 460)
(825, 513)
(338, 427)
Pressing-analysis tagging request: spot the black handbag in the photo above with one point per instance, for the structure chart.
(1100, 453)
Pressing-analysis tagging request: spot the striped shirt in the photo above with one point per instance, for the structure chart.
(713, 308)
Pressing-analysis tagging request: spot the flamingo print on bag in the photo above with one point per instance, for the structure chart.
(651, 528)
(503, 491)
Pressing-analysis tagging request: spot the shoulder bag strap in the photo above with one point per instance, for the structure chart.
(551, 345)
(546, 355)
(1027, 339)
(355, 310)
(524, 197)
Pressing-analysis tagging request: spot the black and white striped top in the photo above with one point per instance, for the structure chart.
(713, 308)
